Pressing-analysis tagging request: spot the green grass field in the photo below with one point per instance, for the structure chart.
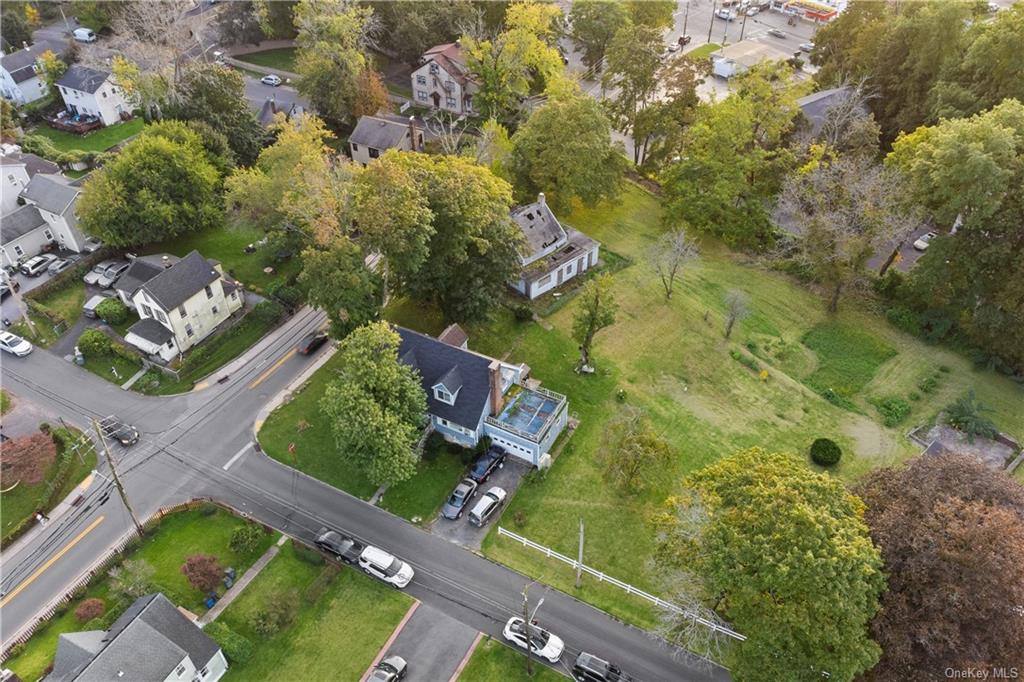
(704, 50)
(96, 141)
(332, 637)
(282, 58)
(493, 660)
(5, 402)
(65, 303)
(114, 368)
(422, 495)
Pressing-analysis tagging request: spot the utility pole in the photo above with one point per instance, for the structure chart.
(117, 480)
(712, 25)
(579, 560)
(526, 626)
(743, 26)
(686, 16)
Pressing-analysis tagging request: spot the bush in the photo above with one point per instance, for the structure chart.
(285, 293)
(928, 384)
(267, 312)
(894, 410)
(94, 343)
(207, 509)
(904, 319)
(306, 554)
(522, 312)
(825, 452)
(965, 415)
(744, 360)
(434, 446)
(16, 650)
(246, 539)
(112, 311)
(203, 571)
(276, 614)
(89, 609)
(238, 648)
(914, 395)
(888, 286)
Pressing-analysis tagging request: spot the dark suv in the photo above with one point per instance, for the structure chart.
(340, 546)
(486, 463)
(590, 668)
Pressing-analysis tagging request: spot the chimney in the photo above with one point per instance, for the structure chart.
(165, 261)
(540, 199)
(494, 372)
(412, 133)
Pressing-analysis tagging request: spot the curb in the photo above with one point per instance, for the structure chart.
(465, 659)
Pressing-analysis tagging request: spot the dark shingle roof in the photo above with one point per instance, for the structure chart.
(52, 193)
(19, 63)
(83, 78)
(817, 105)
(436, 361)
(142, 269)
(181, 281)
(19, 223)
(33, 164)
(379, 132)
(151, 330)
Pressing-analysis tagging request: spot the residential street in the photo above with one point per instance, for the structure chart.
(200, 444)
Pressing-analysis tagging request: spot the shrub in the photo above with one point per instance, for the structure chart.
(89, 609)
(286, 294)
(746, 361)
(888, 286)
(207, 509)
(894, 410)
(306, 554)
(928, 384)
(522, 313)
(434, 446)
(203, 571)
(112, 311)
(966, 415)
(246, 539)
(267, 312)
(825, 452)
(94, 343)
(914, 395)
(945, 369)
(238, 648)
(904, 319)
(276, 614)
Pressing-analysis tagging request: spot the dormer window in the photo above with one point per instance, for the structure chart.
(443, 395)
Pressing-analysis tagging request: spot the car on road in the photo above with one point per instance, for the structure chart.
(459, 499)
(391, 669)
(339, 546)
(683, 41)
(310, 342)
(34, 267)
(384, 566)
(272, 80)
(542, 642)
(807, 47)
(84, 35)
(487, 506)
(753, 11)
(124, 433)
(14, 344)
(725, 14)
(590, 668)
(60, 265)
(776, 32)
(487, 463)
(922, 242)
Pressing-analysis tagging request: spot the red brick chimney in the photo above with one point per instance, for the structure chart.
(494, 370)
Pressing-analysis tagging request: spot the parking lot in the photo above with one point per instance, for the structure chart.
(461, 531)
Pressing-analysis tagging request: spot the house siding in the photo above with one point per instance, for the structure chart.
(435, 85)
(24, 92)
(451, 433)
(30, 244)
(559, 275)
(107, 102)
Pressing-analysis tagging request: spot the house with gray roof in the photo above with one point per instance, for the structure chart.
(45, 218)
(20, 80)
(142, 269)
(180, 305)
(92, 92)
(374, 135)
(16, 169)
(151, 641)
(551, 254)
(817, 106)
(444, 81)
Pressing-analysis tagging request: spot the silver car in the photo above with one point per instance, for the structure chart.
(93, 275)
(60, 265)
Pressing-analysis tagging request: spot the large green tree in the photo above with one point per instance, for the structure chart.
(14, 28)
(154, 189)
(594, 23)
(595, 310)
(214, 145)
(376, 406)
(783, 553)
(411, 28)
(631, 72)
(338, 281)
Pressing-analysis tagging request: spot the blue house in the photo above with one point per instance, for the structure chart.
(470, 396)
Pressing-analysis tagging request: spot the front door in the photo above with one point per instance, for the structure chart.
(437, 99)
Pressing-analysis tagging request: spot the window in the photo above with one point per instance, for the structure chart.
(444, 396)
(63, 91)
(214, 309)
(48, 234)
(422, 96)
(188, 330)
(450, 101)
(18, 250)
(433, 68)
(146, 310)
(104, 94)
(179, 670)
(374, 153)
(449, 85)
(209, 292)
(170, 343)
(202, 673)
(181, 311)
(355, 147)
(160, 316)
(544, 281)
(421, 80)
(233, 296)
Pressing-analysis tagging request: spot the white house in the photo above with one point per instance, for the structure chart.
(180, 305)
(16, 169)
(152, 640)
(47, 217)
(552, 254)
(20, 77)
(92, 92)
(374, 135)
(444, 81)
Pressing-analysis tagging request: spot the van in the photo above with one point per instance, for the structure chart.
(487, 506)
(85, 35)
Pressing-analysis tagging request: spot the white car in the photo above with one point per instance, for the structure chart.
(752, 11)
(922, 242)
(723, 13)
(271, 79)
(386, 567)
(14, 344)
(487, 506)
(807, 47)
(36, 266)
(542, 642)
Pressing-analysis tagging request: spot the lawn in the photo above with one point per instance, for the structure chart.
(282, 58)
(341, 620)
(704, 50)
(96, 141)
(66, 302)
(493, 660)
(421, 496)
(44, 335)
(177, 537)
(847, 357)
(5, 401)
(116, 369)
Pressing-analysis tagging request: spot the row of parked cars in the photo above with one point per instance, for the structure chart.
(491, 501)
(586, 667)
(373, 560)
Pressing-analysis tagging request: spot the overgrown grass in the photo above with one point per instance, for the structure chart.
(96, 141)
(422, 495)
(65, 303)
(333, 637)
(847, 357)
(494, 660)
(5, 401)
(282, 58)
(43, 335)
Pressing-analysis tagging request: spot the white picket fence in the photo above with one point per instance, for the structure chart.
(603, 577)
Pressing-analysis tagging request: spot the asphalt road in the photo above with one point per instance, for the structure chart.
(200, 444)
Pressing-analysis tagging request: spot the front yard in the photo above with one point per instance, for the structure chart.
(96, 141)
(281, 58)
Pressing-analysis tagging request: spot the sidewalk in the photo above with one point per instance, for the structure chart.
(295, 385)
(242, 583)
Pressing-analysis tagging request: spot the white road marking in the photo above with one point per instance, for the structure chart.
(237, 455)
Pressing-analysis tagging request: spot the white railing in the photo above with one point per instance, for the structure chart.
(603, 577)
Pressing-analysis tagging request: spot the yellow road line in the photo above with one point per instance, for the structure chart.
(51, 561)
(272, 369)
(84, 485)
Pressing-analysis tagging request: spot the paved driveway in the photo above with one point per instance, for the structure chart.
(433, 644)
(464, 533)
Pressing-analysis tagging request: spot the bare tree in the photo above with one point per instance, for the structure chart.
(451, 133)
(632, 450)
(670, 254)
(159, 37)
(736, 309)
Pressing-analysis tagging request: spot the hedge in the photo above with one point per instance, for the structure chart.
(236, 647)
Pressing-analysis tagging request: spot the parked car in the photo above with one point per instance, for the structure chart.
(7, 289)
(486, 464)
(391, 669)
(60, 265)
(340, 546)
(89, 309)
(752, 11)
(112, 274)
(34, 267)
(271, 79)
(84, 35)
(310, 342)
(97, 271)
(125, 434)
(386, 567)
(684, 40)
(725, 14)
(777, 32)
(807, 47)
(14, 344)
(91, 245)
(542, 642)
(459, 499)
(487, 506)
(590, 668)
(921, 244)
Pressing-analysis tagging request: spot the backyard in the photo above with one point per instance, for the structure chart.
(96, 141)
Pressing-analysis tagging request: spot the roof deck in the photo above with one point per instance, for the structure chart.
(530, 412)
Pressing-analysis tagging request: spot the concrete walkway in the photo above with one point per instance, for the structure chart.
(135, 377)
(242, 583)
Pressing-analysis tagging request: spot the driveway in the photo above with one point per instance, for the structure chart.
(908, 254)
(433, 644)
(464, 533)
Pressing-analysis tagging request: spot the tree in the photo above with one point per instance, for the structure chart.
(89, 609)
(14, 29)
(595, 310)
(584, 165)
(52, 67)
(494, 149)
(95, 343)
(631, 71)
(951, 533)
(277, 17)
(653, 13)
(966, 415)
(632, 452)
(239, 24)
(96, 14)
(112, 311)
(670, 253)
(8, 120)
(659, 128)
(411, 28)
(370, 96)
(246, 539)
(338, 281)
(594, 23)
(203, 572)
(376, 406)
(784, 554)
(199, 135)
(736, 308)
(133, 578)
(154, 189)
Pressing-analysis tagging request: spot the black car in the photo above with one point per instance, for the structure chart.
(590, 668)
(6, 290)
(340, 546)
(125, 434)
(310, 342)
(486, 463)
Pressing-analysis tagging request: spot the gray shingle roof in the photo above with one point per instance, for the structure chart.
(151, 330)
(379, 132)
(51, 193)
(19, 223)
(181, 281)
(83, 78)
(33, 164)
(817, 105)
(142, 269)
(19, 63)
(540, 227)
(436, 361)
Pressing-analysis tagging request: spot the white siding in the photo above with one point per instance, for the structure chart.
(107, 102)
